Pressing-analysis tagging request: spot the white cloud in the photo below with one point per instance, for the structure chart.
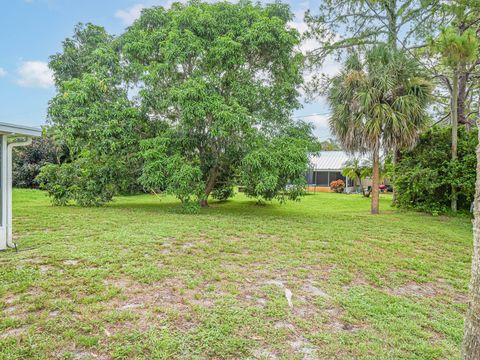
(3, 72)
(331, 66)
(35, 74)
(128, 16)
(301, 26)
(319, 121)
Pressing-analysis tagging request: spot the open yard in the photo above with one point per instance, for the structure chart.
(136, 279)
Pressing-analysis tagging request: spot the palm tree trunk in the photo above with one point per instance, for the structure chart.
(471, 340)
(375, 181)
(361, 185)
(454, 133)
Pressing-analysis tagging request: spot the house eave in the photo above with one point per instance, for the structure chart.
(20, 130)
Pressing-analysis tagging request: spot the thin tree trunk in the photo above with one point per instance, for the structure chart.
(396, 159)
(392, 15)
(471, 340)
(375, 181)
(454, 133)
(361, 185)
(392, 41)
(462, 97)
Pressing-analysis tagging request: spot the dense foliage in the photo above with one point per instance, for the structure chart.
(95, 119)
(27, 160)
(277, 167)
(425, 175)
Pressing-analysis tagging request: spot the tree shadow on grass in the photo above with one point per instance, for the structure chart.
(236, 207)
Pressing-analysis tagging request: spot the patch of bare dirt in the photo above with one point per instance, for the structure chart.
(120, 283)
(70, 262)
(357, 280)
(45, 269)
(12, 332)
(84, 355)
(155, 302)
(313, 290)
(414, 289)
(458, 295)
(335, 323)
(264, 354)
(303, 347)
(10, 309)
(284, 325)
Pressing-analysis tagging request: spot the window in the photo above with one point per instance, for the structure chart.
(321, 178)
(336, 176)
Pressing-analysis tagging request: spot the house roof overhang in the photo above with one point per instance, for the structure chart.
(20, 130)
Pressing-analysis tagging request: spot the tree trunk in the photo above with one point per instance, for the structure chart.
(462, 97)
(211, 181)
(454, 133)
(396, 159)
(361, 185)
(392, 15)
(375, 181)
(471, 340)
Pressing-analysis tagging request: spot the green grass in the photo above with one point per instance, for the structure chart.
(137, 279)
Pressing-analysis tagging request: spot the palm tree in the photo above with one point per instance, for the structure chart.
(378, 100)
(355, 168)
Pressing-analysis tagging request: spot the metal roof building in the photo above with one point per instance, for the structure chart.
(330, 160)
(327, 167)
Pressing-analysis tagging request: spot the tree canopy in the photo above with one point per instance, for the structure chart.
(189, 100)
(223, 80)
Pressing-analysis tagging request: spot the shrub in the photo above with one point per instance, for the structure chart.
(223, 192)
(425, 174)
(27, 160)
(83, 181)
(337, 185)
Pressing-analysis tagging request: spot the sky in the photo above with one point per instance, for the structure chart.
(33, 30)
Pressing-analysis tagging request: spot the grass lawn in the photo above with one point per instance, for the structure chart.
(136, 279)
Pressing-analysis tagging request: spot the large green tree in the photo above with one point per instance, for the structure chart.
(462, 21)
(222, 80)
(378, 101)
(188, 100)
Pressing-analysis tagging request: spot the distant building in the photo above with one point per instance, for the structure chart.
(327, 167)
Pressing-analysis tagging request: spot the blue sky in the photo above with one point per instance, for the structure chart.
(32, 30)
